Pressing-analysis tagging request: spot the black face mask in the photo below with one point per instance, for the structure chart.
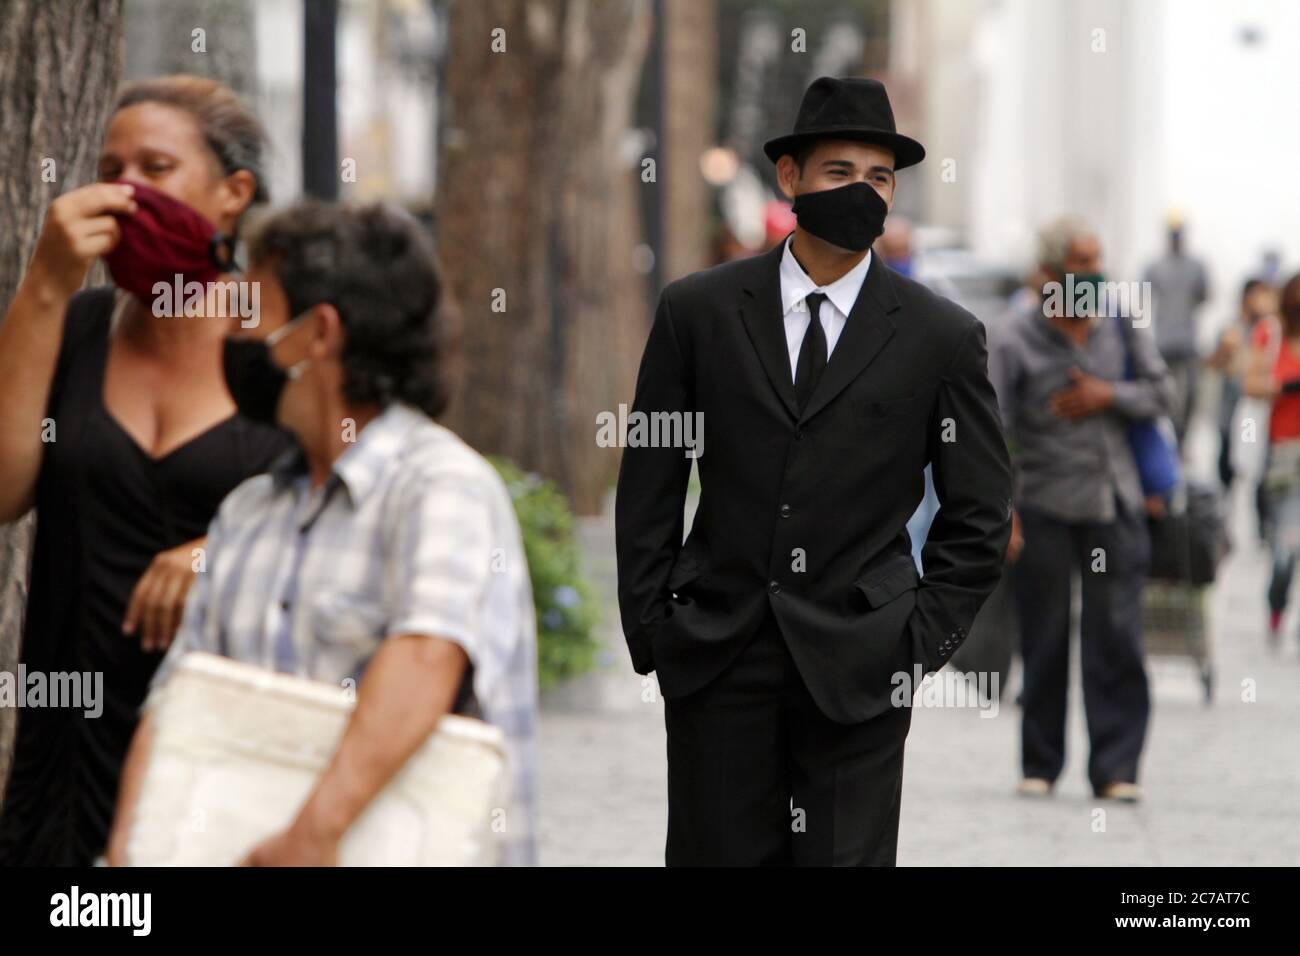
(851, 217)
(255, 381)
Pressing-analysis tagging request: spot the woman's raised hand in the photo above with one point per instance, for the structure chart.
(80, 227)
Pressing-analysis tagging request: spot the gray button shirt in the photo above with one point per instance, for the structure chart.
(1179, 286)
(1074, 470)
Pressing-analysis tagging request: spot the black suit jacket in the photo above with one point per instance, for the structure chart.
(806, 515)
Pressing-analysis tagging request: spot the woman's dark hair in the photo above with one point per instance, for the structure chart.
(375, 264)
(232, 132)
(1249, 286)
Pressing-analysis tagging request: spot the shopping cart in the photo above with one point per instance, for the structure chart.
(1186, 548)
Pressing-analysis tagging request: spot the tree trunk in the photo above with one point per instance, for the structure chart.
(320, 133)
(59, 66)
(537, 199)
(161, 38)
(690, 127)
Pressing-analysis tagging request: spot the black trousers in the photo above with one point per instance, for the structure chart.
(1115, 694)
(757, 775)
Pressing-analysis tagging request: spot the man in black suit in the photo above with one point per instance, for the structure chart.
(780, 630)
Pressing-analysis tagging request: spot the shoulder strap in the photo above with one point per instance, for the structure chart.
(1127, 346)
(86, 324)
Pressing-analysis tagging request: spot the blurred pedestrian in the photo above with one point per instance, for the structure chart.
(1067, 404)
(384, 550)
(1270, 267)
(1273, 374)
(1230, 358)
(778, 222)
(895, 246)
(1179, 285)
(147, 439)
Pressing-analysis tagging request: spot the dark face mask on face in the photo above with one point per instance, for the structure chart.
(851, 217)
(164, 238)
(255, 381)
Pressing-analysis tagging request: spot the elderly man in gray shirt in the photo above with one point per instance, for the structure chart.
(1067, 405)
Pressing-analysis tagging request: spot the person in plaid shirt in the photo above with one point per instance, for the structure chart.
(383, 550)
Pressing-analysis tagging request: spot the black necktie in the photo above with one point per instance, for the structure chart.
(812, 353)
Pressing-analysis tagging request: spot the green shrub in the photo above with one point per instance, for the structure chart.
(567, 611)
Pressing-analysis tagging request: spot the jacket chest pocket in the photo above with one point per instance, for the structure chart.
(877, 415)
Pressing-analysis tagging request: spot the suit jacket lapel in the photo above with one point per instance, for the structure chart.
(763, 316)
(865, 334)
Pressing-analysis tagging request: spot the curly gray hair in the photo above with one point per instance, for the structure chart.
(1054, 240)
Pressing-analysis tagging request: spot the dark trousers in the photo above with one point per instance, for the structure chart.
(1186, 374)
(1115, 694)
(758, 775)
(1279, 582)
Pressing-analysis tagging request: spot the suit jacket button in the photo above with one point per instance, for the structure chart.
(774, 587)
(798, 436)
(785, 511)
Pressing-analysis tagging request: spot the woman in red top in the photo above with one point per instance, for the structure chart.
(1274, 374)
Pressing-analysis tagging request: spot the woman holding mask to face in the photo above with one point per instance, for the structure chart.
(116, 424)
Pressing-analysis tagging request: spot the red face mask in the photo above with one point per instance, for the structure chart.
(162, 239)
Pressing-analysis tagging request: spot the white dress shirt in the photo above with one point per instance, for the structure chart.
(796, 285)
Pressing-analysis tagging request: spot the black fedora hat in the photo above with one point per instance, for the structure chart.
(847, 109)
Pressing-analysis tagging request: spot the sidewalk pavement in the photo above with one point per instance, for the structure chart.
(1220, 781)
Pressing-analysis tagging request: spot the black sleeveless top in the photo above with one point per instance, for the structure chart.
(104, 509)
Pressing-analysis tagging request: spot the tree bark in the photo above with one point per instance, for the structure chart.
(537, 198)
(690, 127)
(160, 39)
(59, 66)
(320, 129)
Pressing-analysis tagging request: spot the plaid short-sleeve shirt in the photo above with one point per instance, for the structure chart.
(412, 533)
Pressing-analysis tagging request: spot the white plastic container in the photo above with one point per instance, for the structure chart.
(237, 749)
